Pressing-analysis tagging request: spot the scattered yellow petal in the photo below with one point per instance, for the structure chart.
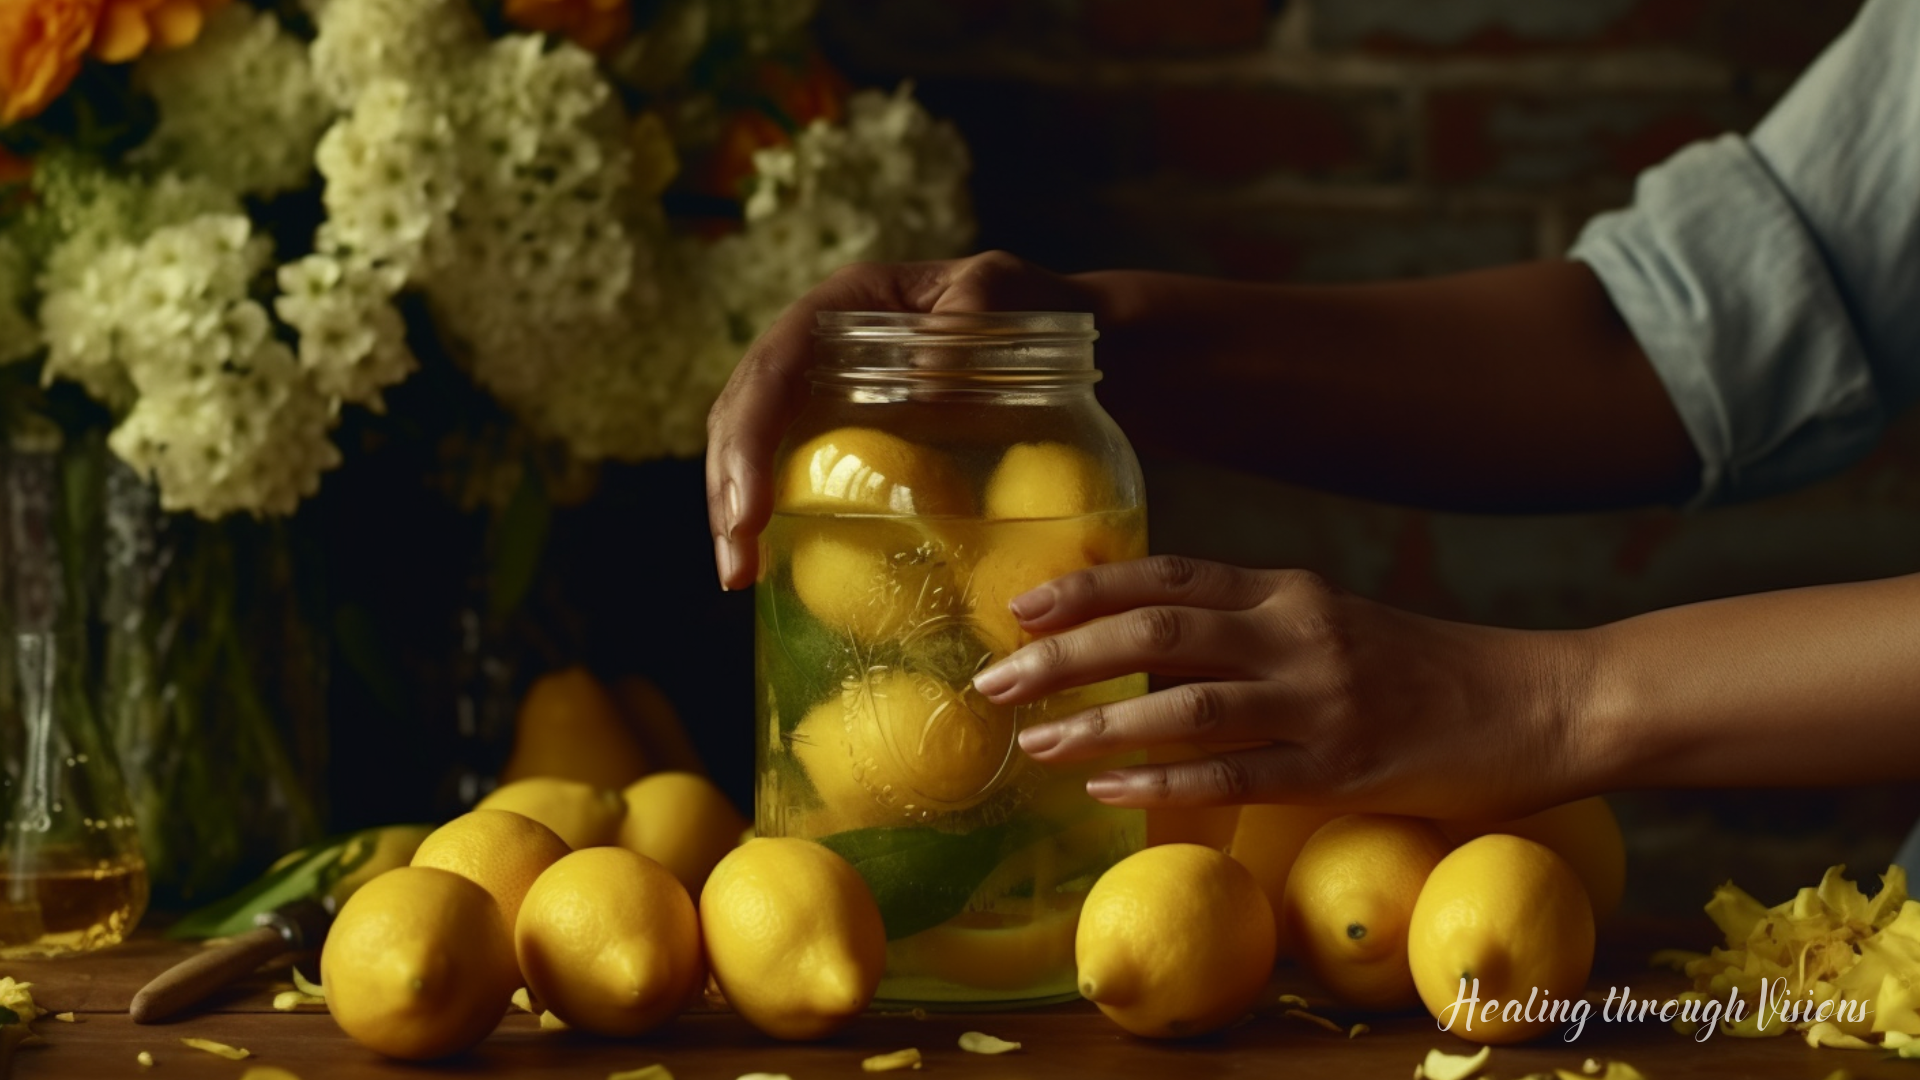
(1357, 1030)
(1677, 959)
(145, 1059)
(550, 1022)
(218, 1049)
(289, 1000)
(1894, 1040)
(268, 1072)
(648, 1072)
(1839, 1074)
(899, 1059)
(763, 1076)
(65, 1017)
(1439, 1066)
(523, 1000)
(313, 988)
(1614, 1070)
(14, 996)
(1296, 1001)
(977, 1042)
(1321, 1021)
(1827, 1033)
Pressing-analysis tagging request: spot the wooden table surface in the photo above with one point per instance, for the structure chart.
(1062, 1040)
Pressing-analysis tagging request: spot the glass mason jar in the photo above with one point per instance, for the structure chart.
(944, 465)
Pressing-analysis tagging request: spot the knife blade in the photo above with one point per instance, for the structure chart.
(291, 927)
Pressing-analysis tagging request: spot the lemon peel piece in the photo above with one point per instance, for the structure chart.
(1357, 1030)
(645, 1072)
(14, 995)
(218, 1049)
(979, 1042)
(1296, 1001)
(305, 986)
(763, 1076)
(899, 1059)
(523, 1000)
(289, 1000)
(1444, 1066)
(65, 1017)
(145, 1059)
(1319, 1021)
(268, 1072)
(1828, 1034)
(1613, 1070)
(550, 1022)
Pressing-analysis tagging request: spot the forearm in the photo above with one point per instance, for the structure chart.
(1803, 687)
(1509, 389)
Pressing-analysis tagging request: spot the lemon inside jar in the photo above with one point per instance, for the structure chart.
(886, 573)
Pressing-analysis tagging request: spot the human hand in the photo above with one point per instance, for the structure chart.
(1352, 703)
(769, 386)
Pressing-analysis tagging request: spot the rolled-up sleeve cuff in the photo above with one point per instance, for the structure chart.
(1729, 295)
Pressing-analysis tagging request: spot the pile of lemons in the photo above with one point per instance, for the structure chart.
(1386, 912)
(577, 880)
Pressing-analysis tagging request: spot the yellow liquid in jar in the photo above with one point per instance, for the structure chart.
(869, 631)
(69, 903)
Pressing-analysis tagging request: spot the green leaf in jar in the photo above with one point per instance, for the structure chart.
(921, 877)
(805, 661)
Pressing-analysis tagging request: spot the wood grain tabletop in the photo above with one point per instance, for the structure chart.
(1067, 1040)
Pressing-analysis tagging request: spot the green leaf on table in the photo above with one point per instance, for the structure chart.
(921, 877)
(306, 874)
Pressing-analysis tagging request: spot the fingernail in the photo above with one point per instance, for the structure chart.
(1032, 604)
(1039, 740)
(730, 491)
(1107, 786)
(723, 560)
(997, 679)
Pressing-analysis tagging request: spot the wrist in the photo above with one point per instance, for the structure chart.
(1603, 750)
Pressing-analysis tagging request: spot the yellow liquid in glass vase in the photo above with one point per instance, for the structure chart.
(870, 629)
(69, 902)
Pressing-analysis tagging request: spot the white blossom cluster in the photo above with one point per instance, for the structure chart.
(889, 185)
(498, 180)
(240, 108)
(221, 415)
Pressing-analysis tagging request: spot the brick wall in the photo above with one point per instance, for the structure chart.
(1339, 140)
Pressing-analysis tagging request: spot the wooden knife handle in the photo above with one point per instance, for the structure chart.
(191, 980)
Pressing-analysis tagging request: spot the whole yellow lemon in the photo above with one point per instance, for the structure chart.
(683, 822)
(418, 964)
(1584, 832)
(1267, 838)
(1508, 915)
(871, 579)
(856, 470)
(1173, 941)
(581, 814)
(570, 727)
(1349, 898)
(609, 941)
(903, 746)
(498, 850)
(793, 936)
(1046, 480)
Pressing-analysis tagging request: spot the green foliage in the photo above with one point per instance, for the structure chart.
(921, 877)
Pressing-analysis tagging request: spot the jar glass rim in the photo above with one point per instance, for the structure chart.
(957, 327)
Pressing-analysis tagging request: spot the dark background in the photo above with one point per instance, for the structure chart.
(1338, 140)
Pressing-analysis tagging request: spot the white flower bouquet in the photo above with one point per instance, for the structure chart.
(227, 222)
(226, 226)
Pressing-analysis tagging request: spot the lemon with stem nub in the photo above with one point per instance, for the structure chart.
(1173, 941)
(498, 850)
(1349, 898)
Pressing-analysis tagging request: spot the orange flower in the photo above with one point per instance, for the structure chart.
(129, 28)
(594, 25)
(41, 44)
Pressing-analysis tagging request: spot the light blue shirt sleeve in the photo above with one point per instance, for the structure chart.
(1774, 280)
